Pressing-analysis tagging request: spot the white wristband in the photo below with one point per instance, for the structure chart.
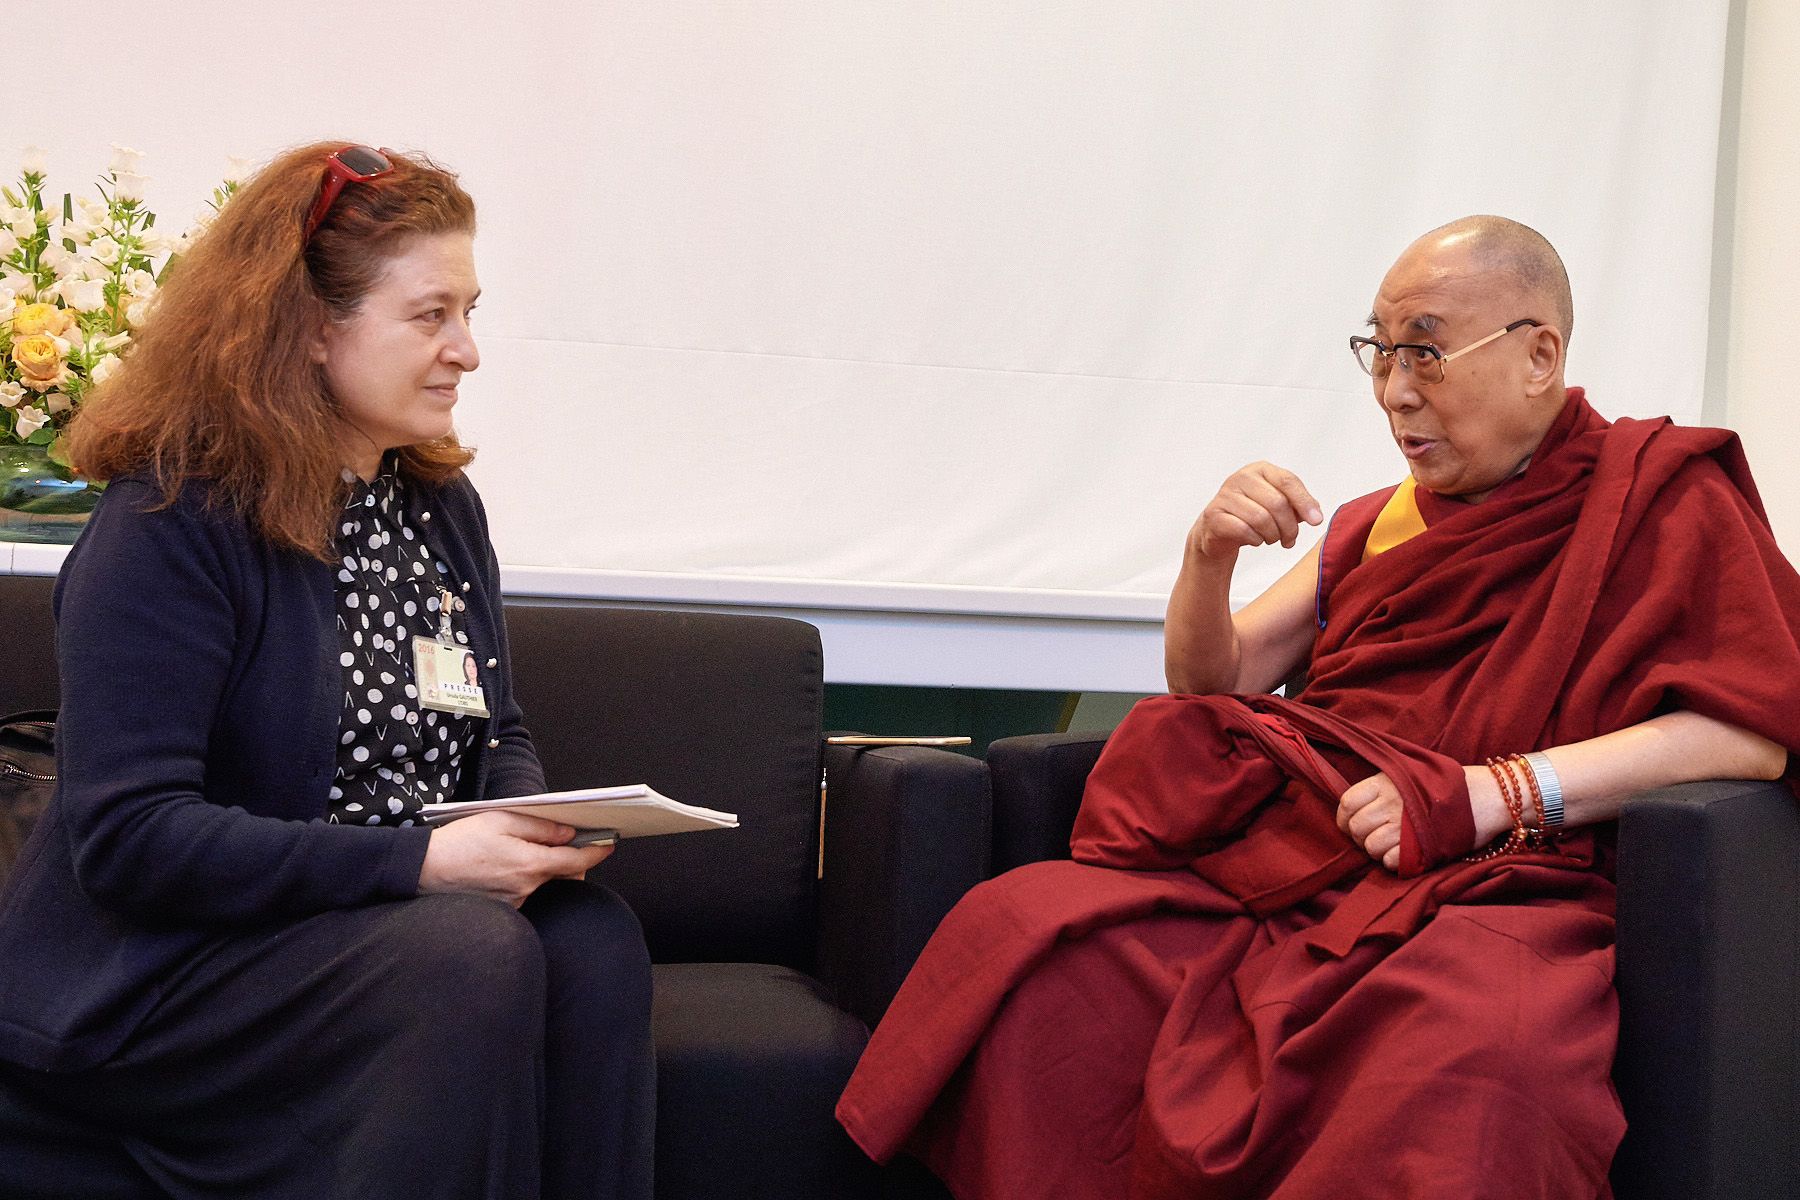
(1549, 787)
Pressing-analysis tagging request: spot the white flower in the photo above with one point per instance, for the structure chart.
(128, 186)
(155, 243)
(28, 420)
(81, 265)
(89, 218)
(104, 368)
(58, 259)
(34, 159)
(124, 159)
(56, 402)
(9, 241)
(83, 295)
(23, 226)
(11, 393)
(104, 250)
(141, 283)
(20, 285)
(137, 312)
(117, 341)
(237, 167)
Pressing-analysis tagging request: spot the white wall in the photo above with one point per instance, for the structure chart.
(979, 296)
(1762, 272)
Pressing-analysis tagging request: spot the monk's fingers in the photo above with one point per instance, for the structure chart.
(1368, 821)
(1357, 797)
(1391, 860)
(1263, 493)
(1293, 492)
(1383, 841)
(1248, 513)
(1223, 533)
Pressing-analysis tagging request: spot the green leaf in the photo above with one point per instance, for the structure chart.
(59, 452)
(43, 437)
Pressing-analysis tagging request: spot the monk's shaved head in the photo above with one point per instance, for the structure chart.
(1519, 255)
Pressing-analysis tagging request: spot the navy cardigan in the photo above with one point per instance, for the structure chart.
(195, 747)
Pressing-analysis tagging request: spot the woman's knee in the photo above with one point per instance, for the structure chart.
(471, 951)
(591, 939)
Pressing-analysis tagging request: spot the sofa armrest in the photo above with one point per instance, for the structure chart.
(1038, 782)
(1709, 988)
(907, 832)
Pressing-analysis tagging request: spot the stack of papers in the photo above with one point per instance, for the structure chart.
(635, 810)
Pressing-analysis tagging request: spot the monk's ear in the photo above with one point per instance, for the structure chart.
(1546, 362)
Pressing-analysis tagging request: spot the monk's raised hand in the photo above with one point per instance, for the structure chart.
(1369, 813)
(1258, 506)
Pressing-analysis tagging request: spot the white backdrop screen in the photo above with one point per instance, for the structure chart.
(986, 294)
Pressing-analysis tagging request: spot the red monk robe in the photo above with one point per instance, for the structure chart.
(1250, 1007)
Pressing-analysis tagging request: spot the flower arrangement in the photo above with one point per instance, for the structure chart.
(75, 281)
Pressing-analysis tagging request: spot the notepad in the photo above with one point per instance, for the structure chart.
(634, 810)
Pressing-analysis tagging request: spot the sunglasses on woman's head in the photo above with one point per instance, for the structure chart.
(352, 164)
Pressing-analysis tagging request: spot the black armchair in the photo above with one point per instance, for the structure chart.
(1708, 1065)
(768, 975)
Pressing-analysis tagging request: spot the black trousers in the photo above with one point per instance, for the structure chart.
(441, 1047)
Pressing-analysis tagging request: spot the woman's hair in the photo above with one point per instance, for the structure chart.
(222, 384)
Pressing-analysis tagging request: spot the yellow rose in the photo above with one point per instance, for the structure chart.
(29, 320)
(40, 361)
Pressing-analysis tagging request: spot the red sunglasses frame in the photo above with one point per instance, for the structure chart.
(339, 173)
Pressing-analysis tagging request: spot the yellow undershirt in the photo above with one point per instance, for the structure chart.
(1399, 520)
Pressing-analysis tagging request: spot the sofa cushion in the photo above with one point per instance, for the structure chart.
(720, 711)
(750, 1061)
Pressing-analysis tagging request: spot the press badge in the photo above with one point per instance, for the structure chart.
(445, 670)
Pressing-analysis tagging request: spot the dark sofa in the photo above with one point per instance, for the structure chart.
(769, 974)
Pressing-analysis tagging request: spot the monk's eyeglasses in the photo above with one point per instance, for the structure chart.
(352, 164)
(1424, 363)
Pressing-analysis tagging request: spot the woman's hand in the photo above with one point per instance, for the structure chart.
(506, 855)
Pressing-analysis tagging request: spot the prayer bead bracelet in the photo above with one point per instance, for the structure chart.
(1515, 839)
(1537, 797)
(1523, 835)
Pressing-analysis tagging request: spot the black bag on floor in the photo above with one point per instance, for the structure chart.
(27, 778)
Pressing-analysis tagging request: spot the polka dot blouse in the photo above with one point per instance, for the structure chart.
(392, 755)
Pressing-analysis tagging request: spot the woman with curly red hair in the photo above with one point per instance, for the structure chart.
(234, 948)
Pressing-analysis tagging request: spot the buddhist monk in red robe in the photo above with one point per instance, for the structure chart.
(1359, 943)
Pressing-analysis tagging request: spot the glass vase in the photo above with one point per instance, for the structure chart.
(39, 500)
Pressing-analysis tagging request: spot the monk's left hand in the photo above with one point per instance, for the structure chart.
(1369, 813)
